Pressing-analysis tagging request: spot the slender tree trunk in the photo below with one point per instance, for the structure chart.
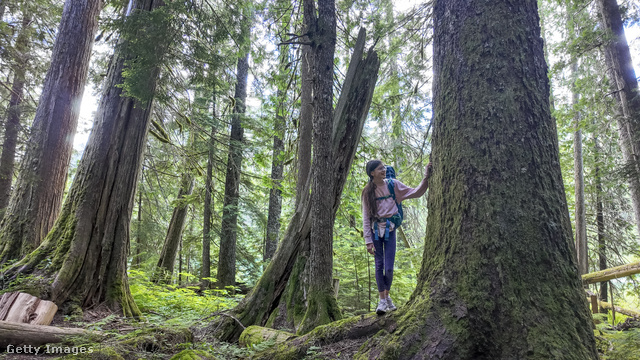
(84, 257)
(208, 205)
(138, 259)
(623, 81)
(581, 213)
(166, 262)
(602, 244)
(274, 288)
(227, 260)
(322, 307)
(305, 121)
(277, 163)
(12, 126)
(35, 204)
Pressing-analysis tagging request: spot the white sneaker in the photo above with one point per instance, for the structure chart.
(390, 306)
(382, 307)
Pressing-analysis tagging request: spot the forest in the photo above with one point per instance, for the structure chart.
(184, 179)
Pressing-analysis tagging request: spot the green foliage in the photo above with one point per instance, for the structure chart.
(175, 304)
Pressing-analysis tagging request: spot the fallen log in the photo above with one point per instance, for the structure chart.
(611, 273)
(254, 335)
(628, 312)
(12, 333)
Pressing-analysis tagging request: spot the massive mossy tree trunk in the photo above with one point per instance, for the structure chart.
(84, 258)
(322, 306)
(229, 229)
(262, 304)
(12, 125)
(167, 260)
(35, 202)
(625, 87)
(498, 278)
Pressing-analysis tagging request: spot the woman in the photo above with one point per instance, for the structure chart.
(378, 206)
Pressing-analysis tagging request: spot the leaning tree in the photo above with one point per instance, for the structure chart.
(83, 259)
(498, 278)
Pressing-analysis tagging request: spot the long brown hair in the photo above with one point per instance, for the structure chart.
(369, 191)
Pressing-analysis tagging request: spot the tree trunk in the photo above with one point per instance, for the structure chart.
(322, 306)
(208, 205)
(35, 204)
(229, 232)
(602, 244)
(12, 126)
(305, 121)
(167, 260)
(623, 81)
(84, 257)
(263, 303)
(581, 212)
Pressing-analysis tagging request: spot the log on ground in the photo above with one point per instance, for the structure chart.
(35, 335)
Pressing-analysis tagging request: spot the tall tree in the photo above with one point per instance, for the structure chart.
(12, 125)
(625, 87)
(277, 163)
(578, 176)
(167, 260)
(84, 258)
(322, 307)
(205, 273)
(229, 232)
(305, 120)
(35, 204)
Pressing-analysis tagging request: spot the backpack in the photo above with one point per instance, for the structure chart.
(396, 218)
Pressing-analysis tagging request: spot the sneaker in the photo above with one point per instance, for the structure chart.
(382, 307)
(390, 306)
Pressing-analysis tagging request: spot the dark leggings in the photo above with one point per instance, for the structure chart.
(384, 256)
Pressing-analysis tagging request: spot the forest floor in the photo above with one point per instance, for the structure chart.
(175, 319)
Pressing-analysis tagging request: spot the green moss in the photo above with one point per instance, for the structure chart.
(161, 339)
(92, 353)
(193, 355)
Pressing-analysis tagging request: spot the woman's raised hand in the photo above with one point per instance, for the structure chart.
(428, 170)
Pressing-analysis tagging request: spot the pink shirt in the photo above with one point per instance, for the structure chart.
(388, 207)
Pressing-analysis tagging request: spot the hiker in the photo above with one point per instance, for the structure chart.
(381, 215)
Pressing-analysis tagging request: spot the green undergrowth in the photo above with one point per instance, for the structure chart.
(619, 342)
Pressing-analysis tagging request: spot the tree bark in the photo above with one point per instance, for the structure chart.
(322, 306)
(273, 288)
(625, 85)
(229, 232)
(305, 121)
(602, 243)
(35, 204)
(167, 260)
(84, 258)
(581, 212)
(12, 126)
(208, 205)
